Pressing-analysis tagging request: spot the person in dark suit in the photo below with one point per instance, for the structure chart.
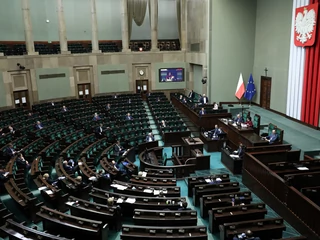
(30, 115)
(108, 107)
(238, 153)
(214, 133)
(204, 99)
(96, 117)
(9, 129)
(184, 206)
(10, 151)
(115, 96)
(21, 162)
(39, 125)
(191, 94)
(129, 101)
(118, 149)
(248, 236)
(48, 179)
(158, 99)
(64, 109)
(150, 137)
(184, 100)
(272, 137)
(99, 131)
(238, 119)
(202, 112)
(129, 117)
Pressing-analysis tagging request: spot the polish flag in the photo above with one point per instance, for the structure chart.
(240, 88)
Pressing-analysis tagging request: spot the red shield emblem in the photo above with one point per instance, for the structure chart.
(305, 25)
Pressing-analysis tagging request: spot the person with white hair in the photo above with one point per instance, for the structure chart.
(150, 137)
(204, 99)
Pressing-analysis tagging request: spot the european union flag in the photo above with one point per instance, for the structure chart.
(251, 89)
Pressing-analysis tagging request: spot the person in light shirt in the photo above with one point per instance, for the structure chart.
(204, 99)
(215, 106)
(150, 138)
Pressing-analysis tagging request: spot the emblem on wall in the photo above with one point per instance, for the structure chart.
(305, 25)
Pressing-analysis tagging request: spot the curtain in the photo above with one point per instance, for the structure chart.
(178, 6)
(139, 8)
(311, 84)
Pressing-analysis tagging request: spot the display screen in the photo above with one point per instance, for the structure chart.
(171, 75)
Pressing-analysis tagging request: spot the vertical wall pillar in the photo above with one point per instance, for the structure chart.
(124, 26)
(62, 29)
(28, 28)
(94, 26)
(154, 24)
(183, 34)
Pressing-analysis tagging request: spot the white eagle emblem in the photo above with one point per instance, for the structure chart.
(304, 25)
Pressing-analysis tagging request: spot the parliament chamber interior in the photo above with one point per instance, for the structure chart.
(117, 122)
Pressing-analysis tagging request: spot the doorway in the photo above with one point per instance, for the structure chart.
(21, 99)
(265, 92)
(142, 87)
(84, 91)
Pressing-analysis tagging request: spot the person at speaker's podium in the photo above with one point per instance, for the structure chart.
(202, 112)
(204, 99)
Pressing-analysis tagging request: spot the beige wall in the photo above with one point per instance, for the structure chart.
(90, 62)
(272, 49)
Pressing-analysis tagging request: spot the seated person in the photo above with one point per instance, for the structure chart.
(118, 149)
(30, 115)
(129, 117)
(108, 107)
(273, 137)
(129, 101)
(115, 96)
(64, 109)
(184, 100)
(202, 112)
(110, 201)
(249, 122)
(181, 98)
(21, 162)
(163, 124)
(10, 151)
(96, 117)
(9, 129)
(215, 106)
(80, 183)
(39, 125)
(238, 119)
(150, 137)
(248, 235)
(214, 133)
(204, 99)
(101, 173)
(238, 153)
(184, 206)
(158, 99)
(71, 167)
(49, 180)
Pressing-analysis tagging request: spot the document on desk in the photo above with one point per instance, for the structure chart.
(156, 192)
(234, 156)
(70, 203)
(49, 192)
(119, 187)
(120, 200)
(42, 188)
(148, 190)
(303, 168)
(6, 174)
(131, 200)
(208, 180)
(144, 174)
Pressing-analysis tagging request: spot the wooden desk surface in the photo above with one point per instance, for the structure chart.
(197, 141)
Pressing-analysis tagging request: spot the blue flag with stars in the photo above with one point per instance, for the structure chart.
(251, 89)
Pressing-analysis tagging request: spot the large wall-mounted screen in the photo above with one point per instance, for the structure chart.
(171, 74)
